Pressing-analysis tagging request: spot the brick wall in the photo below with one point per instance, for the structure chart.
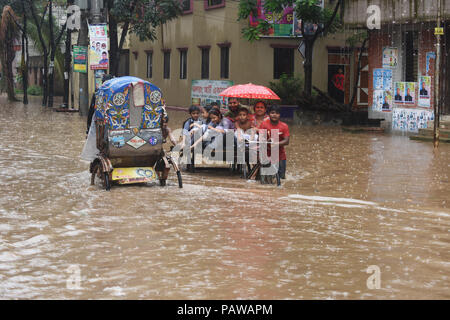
(380, 39)
(377, 41)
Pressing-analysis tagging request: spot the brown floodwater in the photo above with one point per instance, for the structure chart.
(350, 201)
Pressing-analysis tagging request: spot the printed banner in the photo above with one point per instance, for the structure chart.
(425, 91)
(431, 63)
(410, 92)
(98, 49)
(284, 24)
(399, 92)
(382, 84)
(98, 78)
(390, 57)
(204, 92)
(410, 120)
(79, 59)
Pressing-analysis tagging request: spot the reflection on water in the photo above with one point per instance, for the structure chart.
(349, 202)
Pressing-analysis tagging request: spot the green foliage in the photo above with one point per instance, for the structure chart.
(144, 16)
(306, 10)
(19, 78)
(247, 8)
(254, 33)
(289, 88)
(357, 38)
(35, 91)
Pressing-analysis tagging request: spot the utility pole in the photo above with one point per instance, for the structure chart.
(83, 40)
(96, 6)
(437, 99)
(67, 61)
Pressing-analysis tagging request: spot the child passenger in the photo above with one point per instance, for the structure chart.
(205, 114)
(191, 124)
(213, 130)
(244, 126)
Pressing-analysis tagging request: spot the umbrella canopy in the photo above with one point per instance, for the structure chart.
(249, 91)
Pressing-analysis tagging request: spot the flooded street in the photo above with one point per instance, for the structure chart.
(350, 201)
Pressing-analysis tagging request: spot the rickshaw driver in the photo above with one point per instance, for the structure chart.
(233, 106)
(91, 112)
(273, 125)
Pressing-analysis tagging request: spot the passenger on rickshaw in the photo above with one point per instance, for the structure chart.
(191, 125)
(225, 122)
(213, 130)
(245, 128)
(274, 123)
(260, 115)
(205, 114)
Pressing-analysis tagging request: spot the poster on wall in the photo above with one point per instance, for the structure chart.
(282, 23)
(98, 77)
(399, 92)
(410, 92)
(425, 91)
(382, 84)
(410, 120)
(387, 101)
(98, 48)
(204, 92)
(390, 57)
(79, 59)
(431, 63)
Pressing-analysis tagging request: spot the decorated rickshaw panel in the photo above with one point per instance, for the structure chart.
(153, 111)
(112, 105)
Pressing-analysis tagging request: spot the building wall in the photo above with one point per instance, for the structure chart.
(392, 37)
(249, 62)
(398, 11)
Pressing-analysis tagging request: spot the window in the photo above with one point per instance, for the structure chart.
(167, 65)
(183, 64)
(212, 4)
(410, 64)
(149, 64)
(187, 6)
(205, 63)
(224, 62)
(283, 61)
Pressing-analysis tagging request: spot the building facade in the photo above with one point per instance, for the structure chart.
(206, 43)
(402, 59)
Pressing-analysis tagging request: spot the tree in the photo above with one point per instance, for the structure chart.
(8, 33)
(43, 32)
(358, 38)
(38, 21)
(139, 17)
(25, 56)
(54, 45)
(18, 7)
(323, 20)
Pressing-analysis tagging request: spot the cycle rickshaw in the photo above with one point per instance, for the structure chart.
(128, 128)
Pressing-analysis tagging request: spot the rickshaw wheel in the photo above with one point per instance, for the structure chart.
(180, 181)
(106, 182)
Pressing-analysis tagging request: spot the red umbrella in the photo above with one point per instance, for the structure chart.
(249, 91)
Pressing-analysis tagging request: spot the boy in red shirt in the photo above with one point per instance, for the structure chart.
(273, 125)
